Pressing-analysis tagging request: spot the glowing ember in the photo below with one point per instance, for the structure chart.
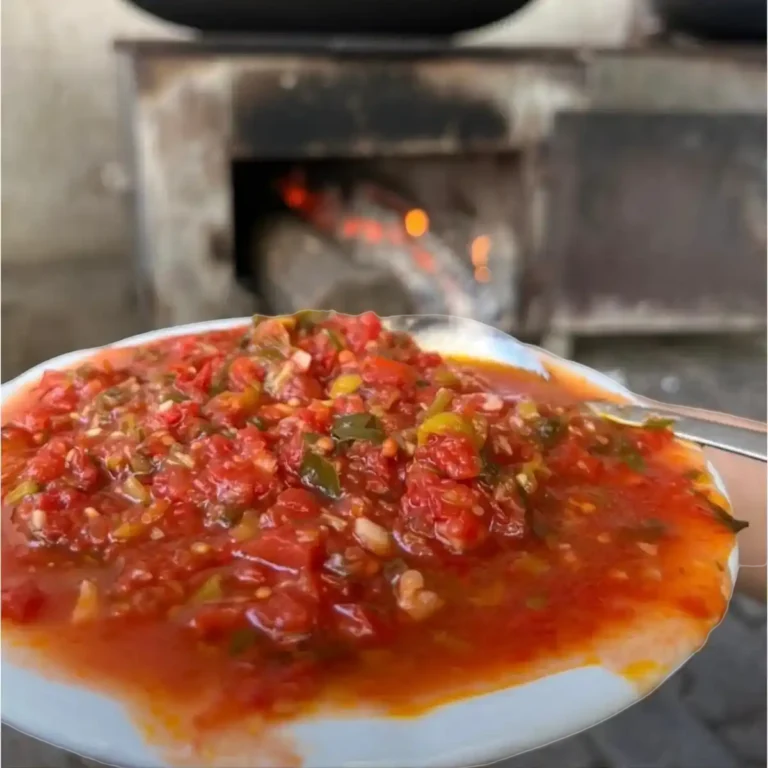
(480, 248)
(389, 223)
(295, 197)
(317, 209)
(416, 222)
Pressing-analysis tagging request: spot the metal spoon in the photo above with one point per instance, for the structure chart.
(727, 437)
(450, 335)
(453, 335)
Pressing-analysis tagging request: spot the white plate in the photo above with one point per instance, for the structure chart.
(469, 732)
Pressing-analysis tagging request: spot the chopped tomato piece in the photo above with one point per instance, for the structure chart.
(50, 461)
(235, 481)
(244, 372)
(357, 623)
(285, 617)
(453, 455)
(285, 548)
(378, 370)
(293, 505)
(22, 602)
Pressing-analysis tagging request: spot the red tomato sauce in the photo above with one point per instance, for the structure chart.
(312, 508)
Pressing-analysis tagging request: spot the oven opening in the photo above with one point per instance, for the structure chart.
(425, 235)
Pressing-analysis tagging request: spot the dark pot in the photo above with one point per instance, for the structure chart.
(394, 17)
(724, 20)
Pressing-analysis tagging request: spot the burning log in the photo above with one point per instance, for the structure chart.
(352, 239)
(300, 267)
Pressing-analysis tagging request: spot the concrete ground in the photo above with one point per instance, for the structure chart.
(711, 714)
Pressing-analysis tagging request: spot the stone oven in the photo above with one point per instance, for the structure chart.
(274, 174)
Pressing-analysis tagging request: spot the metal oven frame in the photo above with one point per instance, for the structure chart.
(190, 108)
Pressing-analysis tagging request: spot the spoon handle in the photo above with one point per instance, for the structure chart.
(726, 437)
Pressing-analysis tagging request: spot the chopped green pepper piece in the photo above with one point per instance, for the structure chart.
(445, 377)
(241, 640)
(358, 426)
(220, 380)
(623, 450)
(175, 396)
(536, 603)
(527, 410)
(128, 531)
(657, 423)
(127, 424)
(550, 430)
(490, 470)
(140, 464)
(210, 591)
(310, 438)
(526, 477)
(335, 339)
(480, 427)
(650, 530)
(319, 474)
(629, 454)
(84, 372)
(725, 517)
(441, 402)
(286, 321)
(134, 489)
(24, 488)
(539, 525)
(346, 384)
(277, 380)
(273, 354)
(307, 319)
(443, 423)
(113, 396)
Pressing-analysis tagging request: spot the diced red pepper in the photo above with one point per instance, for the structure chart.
(453, 455)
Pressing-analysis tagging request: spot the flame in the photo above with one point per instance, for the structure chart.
(479, 251)
(416, 222)
(299, 197)
(295, 196)
(318, 208)
(370, 230)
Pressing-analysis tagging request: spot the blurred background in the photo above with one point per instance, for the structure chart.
(588, 175)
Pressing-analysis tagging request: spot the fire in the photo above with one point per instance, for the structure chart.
(480, 248)
(369, 230)
(319, 208)
(295, 196)
(298, 197)
(416, 222)
(479, 251)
